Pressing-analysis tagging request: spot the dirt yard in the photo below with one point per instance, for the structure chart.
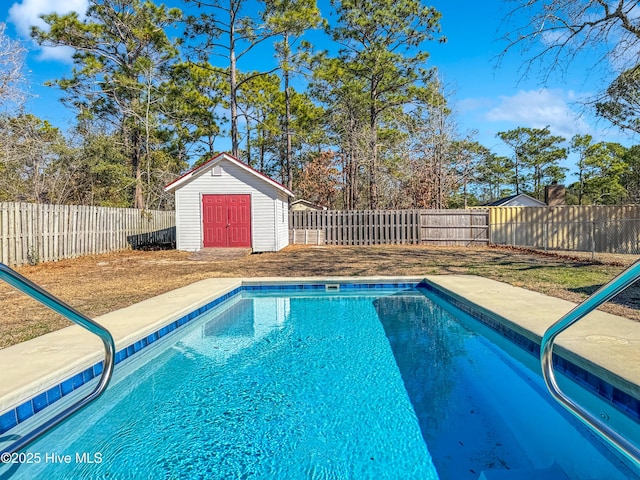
(99, 284)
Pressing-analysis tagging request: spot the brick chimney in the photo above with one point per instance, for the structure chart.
(554, 195)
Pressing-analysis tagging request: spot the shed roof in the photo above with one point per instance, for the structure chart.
(193, 173)
(309, 204)
(518, 200)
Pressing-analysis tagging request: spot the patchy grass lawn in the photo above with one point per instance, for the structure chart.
(99, 284)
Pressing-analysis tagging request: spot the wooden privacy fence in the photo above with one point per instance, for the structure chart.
(377, 227)
(594, 228)
(32, 233)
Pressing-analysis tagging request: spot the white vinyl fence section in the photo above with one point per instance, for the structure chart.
(32, 233)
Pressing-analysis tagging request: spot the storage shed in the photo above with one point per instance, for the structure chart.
(305, 206)
(226, 203)
(520, 200)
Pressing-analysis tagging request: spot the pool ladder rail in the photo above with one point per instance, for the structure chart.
(604, 294)
(26, 286)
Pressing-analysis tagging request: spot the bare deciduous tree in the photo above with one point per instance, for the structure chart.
(30, 148)
(555, 32)
(427, 163)
(432, 172)
(319, 180)
(12, 55)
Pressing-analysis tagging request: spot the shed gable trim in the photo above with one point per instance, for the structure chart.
(189, 176)
(508, 201)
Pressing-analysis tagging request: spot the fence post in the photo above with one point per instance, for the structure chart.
(593, 240)
(489, 229)
(545, 236)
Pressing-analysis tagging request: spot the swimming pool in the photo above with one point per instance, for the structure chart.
(386, 383)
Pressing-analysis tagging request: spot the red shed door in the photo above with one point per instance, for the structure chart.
(226, 220)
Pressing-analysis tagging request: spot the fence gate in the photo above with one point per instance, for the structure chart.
(454, 227)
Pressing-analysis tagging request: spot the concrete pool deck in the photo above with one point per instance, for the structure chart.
(32, 367)
(605, 344)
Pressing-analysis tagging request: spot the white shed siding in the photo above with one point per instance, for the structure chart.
(234, 180)
(188, 220)
(282, 220)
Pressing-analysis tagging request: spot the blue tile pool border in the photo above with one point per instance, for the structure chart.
(27, 409)
(622, 400)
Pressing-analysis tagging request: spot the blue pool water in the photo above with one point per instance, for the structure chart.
(329, 385)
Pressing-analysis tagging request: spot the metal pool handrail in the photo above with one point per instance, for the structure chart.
(605, 293)
(26, 286)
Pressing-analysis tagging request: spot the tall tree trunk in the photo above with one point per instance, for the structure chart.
(373, 185)
(234, 108)
(262, 165)
(517, 177)
(233, 84)
(287, 101)
(345, 193)
(210, 142)
(136, 160)
(131, 149)
(464, 190)
(373, 164)
(352, 170)
(351, 183)
(249, 143)
(580, 184)
(354, 180)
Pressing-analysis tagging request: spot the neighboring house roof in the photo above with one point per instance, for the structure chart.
(308, 204)
(193, 173)
(520, 200)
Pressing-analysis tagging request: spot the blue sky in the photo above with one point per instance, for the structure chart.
(485, 98)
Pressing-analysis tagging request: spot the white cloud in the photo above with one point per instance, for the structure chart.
(61, 54)
(26, 14)
(472, 104)
(553, 37)
(539, 108)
